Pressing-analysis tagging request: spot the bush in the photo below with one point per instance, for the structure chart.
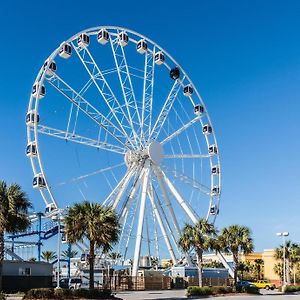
(247, 289)
(42, 293)
(62, 293)
(92, 294)
(2, 296)
(199, 291)
(292, 288)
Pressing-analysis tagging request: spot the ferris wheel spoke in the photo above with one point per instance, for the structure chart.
(83, 105)
(123, 188)
(68, 136)
(136, 184)
(189, 211)
(188, 180)
(110, 198)
(103, 170)
(180, 130)
(163, 115)
(161, 225)
(182, 156)
(148, 87)
(105, 90)
(126, 84)
(137, 249)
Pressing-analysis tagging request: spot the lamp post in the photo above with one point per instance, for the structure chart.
(283, 235)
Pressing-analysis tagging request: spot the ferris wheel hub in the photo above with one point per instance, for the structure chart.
(155, 152)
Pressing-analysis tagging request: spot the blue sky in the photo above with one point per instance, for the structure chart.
(243, 56)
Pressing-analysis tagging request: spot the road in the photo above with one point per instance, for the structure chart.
(180, 294)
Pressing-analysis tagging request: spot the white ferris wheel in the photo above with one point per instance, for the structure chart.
(114, 118)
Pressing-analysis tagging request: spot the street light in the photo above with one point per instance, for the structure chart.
(283, 235)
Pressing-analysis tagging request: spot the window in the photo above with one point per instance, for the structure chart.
(24, 271)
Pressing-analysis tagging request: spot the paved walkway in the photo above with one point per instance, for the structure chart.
(180, 294)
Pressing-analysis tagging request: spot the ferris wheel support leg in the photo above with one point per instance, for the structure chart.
(162, 226)
(138, 242)
(171, 211)
(180, 200)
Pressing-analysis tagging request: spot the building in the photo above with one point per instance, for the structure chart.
(20, 276)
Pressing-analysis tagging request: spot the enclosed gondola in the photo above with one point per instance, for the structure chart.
(212, 150)
(159, 58)
(103, 36)
(83, 40)
(188, 90)
(175, 73)
(198, 109)
(123, 38)
(141, 46)
(65, 51)
(215, 170)
(38, 90)
(39, 181)
(31, 150)
(32, 117)
(207, 129)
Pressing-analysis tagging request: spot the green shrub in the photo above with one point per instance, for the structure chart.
(42, 293)
(92, 294)
(222, 289)
(2, 296)
(62, 293)
(199, 291)
(292, 288)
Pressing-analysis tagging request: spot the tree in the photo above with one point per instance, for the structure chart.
(95, 222)
(69, 254)
(289, 248)
(258, 268)
(200, 237)
(295, 259)
(235, 239)
(14, 206)
(243, 267)
(278, 269)
(48, 255)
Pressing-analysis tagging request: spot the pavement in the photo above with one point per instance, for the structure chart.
(180, 294)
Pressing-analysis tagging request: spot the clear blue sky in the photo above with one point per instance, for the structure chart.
(244, 57)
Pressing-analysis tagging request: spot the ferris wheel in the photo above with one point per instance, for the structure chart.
(114, 118)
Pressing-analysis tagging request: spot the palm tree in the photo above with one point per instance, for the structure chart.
(235, 239)
(289, 248)
(69, 254)
(48, 255)
(14, 206)
(258, 268)
(243, 267)
(278, 269)
(95, 222)
(199, 237)
(295, 259)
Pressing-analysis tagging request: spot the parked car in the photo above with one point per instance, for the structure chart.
(242, 283)
(63, 283)
(264, 284)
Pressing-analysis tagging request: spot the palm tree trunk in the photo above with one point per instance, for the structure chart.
(91, 262)
(1, 256)
(200, 266)
(294, 273)
(288, 275)
(235, 265)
